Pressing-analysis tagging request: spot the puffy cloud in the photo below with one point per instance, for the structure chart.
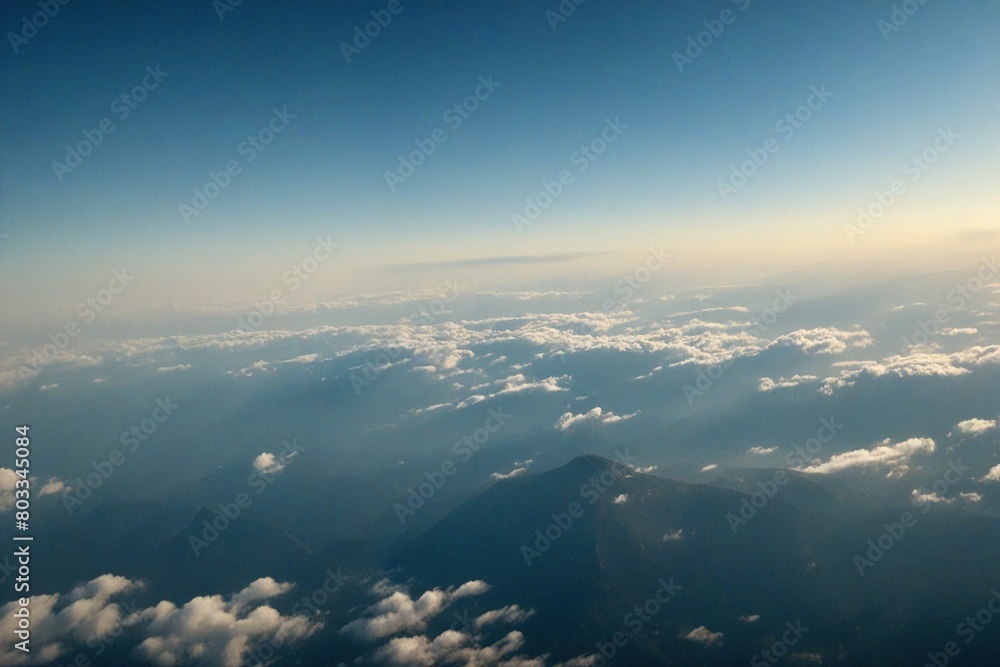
(710, 467)
(398, 611)
(452, 647)
(918, 363)
(894, 456)
(993, 475)
(750, 618)
(8, 488)
(511, 615)
(60, 622)
(767, 384)
(212, 630)
(933, 497)
(673, 536)
(826, 340)
(762, 451)
(704, 636)
(976, 426)
(621, 499)
(598, 415)
(271, 464)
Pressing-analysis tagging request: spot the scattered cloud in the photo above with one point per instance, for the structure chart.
(598, 415)
(896, 457)
(704, 636)
(767, 384)
(976, 426)
(993, 475)
(762, 451)
(398, 611)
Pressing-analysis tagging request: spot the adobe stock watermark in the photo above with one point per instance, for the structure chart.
(463, 449)
(122, 108)
(914, 169)
(223, 7)
(785, 128)
(363, 35)
(581, 159)
(895, 531)
(635, 620)
(592, 490)
(709, 375)
(899, 16)
(87, 310)
(773, 654)
(30, 25)
(956, 299)
(967, 630)
(294, 277)
(229, 513)
(248, 149)
(562, 12)
(454, 116)
(696, 44)
(265, 652)
(768, 489)
(131, 440)
(370, 371)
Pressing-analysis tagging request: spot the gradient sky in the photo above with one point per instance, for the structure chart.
(323, 175)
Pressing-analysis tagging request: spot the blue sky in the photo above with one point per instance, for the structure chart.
(324, 173)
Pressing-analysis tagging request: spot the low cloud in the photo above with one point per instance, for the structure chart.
(205, 630)
(398, 611)
(895, 457)
(767, 384)
(976, 426)
(704, 636)
(597, 415)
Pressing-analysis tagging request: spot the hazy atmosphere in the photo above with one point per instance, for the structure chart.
(512, 334)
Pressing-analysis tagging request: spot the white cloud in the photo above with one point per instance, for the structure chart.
(919, 498)
(970, 497)
(959, 331)
(750, 618)
(710, 467)
(207, 630)
(621, 499)
(673, 536)
(825, 340)
(8, 488)
(398, 611)
(893, 456)
(271, 464)
(767, 384)
(704, 636)
(917, 363)
(762, 451)
(646, 469)
(61, 621)
(178, 367)
(212, 630)
(976, 426)
(513, 473)
(993, 475)
(598, 415)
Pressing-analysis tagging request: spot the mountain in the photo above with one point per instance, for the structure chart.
(589, 544)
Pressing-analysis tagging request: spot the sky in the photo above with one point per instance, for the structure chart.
(555, 85)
